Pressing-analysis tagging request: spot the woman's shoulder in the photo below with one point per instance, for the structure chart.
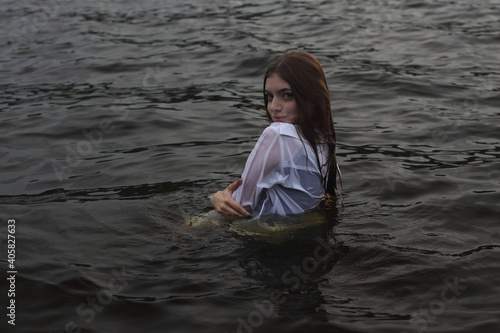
(284, 129)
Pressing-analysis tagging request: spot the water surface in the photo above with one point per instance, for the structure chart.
(118, 120)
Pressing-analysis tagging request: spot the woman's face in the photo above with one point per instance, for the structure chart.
(281, 103)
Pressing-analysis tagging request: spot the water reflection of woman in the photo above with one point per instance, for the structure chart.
(293, 165)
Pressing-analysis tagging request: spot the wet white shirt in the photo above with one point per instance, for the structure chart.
(281, 175)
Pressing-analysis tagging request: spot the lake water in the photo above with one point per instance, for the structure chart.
(118, 120)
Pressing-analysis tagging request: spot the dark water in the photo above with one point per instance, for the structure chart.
(119, 118)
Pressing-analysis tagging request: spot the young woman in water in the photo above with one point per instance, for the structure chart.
(293, 165)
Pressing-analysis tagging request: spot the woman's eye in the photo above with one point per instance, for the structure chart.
(288, 95)
(268, 96)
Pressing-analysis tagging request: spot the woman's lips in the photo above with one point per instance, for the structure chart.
(278, 119)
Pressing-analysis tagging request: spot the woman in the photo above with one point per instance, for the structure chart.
(293, 164)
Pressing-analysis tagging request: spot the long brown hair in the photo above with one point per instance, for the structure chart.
(305, 76)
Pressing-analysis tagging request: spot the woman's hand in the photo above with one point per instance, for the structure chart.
(224, 203)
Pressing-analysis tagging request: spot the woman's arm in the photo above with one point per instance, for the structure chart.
(226, 205)
(263, 159)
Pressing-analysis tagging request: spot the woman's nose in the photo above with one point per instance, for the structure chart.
(275, 105)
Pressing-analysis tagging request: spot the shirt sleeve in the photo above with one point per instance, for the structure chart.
(263, 161)
(281, 175)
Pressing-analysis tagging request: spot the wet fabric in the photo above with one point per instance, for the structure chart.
(282, 175)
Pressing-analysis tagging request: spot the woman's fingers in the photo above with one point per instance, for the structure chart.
(224, 203)
(234, 206)
(234, 185)
(237, 209)
(230, 207)
(232, 212)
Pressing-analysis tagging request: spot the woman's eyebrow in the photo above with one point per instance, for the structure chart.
(281, 90)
